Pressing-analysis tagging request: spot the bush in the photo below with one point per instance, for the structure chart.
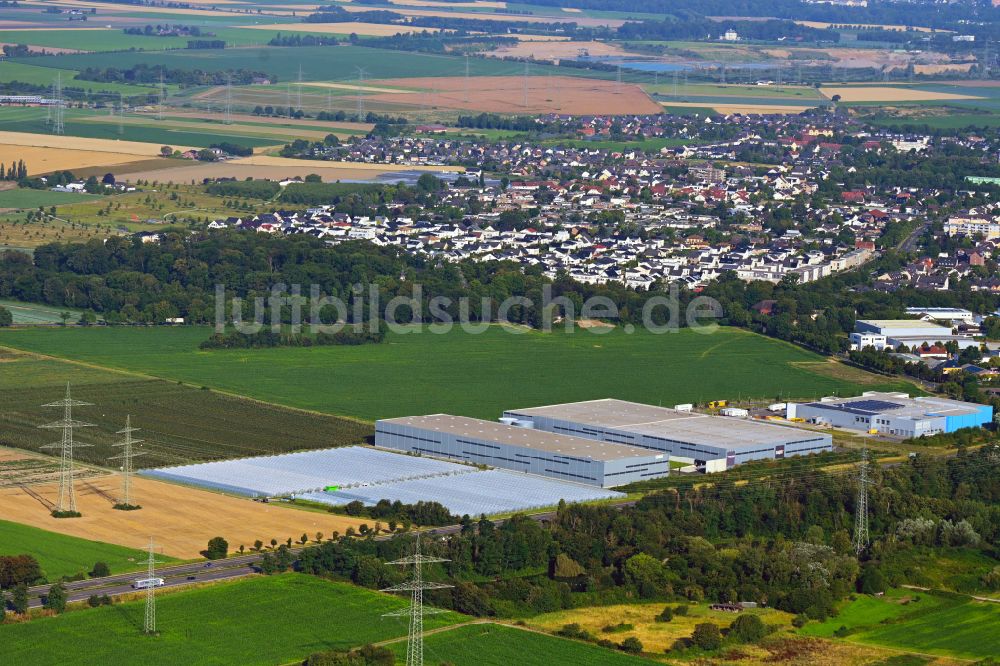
(681, 609)
(100, 570)
(617, 628)
(631, 645)
(800, 620)
(748, 629)
(218, 549)
(666, 615)
(707, 636)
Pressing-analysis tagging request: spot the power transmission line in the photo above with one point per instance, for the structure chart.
(57, 125)
(416, 610)
(159, 105)
(298, 91)
(67, 497)
(861, 510)
(149, 625)
(361, 97)
(126, 457)
(228, 118)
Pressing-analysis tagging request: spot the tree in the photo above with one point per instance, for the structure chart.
(166, 151)
(19, 599)
(707, 636)
(748, 629)
(109, 179)
(871, 581)
(666, 615)
(646, 574)
(218, 549)
(258, 545)
(56, 598)
(100, 570)
(6, 318)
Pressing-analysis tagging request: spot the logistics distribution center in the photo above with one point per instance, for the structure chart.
(894, 414)
(714, 443)
(523, 449)
(600, 442)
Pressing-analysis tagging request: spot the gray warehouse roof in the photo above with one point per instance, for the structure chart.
(899, 405)
(491, 431)
(718, 431)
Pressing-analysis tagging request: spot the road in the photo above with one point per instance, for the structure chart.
(203, 571)
(909, 243)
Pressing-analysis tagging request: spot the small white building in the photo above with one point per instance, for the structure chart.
(730, 36)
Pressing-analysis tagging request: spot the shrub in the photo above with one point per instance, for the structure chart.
(748, 629)
(666, 615)
(800, 620)
(631, 645)
(707, 636)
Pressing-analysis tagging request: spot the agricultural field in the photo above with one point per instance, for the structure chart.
(656, 637)
(924, 622)
(489, 644)
(476, 375)
(47, 153)
(45, 76)
(32, 313)
(60, 555)
(27, 198)
(220, 624)
(214, 425)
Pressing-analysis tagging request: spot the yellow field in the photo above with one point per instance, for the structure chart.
(317, 166)
(556, 50)
(728, 109)
(475, 4)
(44, 153)
(182, 519)
(887, 94)
(519, 18)
(354, 86)
(107, 7)
(368, 29)
(901, 28)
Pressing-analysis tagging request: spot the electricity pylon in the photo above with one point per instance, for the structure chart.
(228, 118)
(861, 510)
(149, 626)
(126, 457)
(57, 123)
(416, 610)
(361, 97)
(161, 95)
(67, 498)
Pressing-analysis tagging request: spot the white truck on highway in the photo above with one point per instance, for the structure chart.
(146, 583)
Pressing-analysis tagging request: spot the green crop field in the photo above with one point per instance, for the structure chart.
(261, 620)
(179, 423)
(25, 198)
(318, 63)
(89, 39)
(472, 375)
(61, 555)
(29, 72)
(946, 625)
(499, 645)
(31, 313)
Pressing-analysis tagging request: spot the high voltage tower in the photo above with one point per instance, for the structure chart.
(361, 98)
(161, 94)
(298, 93)
(149, 626)
(126, 457)
(861, 509)
(228, 119)
(67, 498)
(57, 122)
(416, 610)
(526, 71)
(121, 114)
(466, 78)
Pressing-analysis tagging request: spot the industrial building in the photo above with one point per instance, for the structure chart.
(559, 456)
(712, 443)
(910, 332)
(894, 414)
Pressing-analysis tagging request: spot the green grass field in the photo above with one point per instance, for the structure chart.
(61, 555)
(25, 198)
(31, 313)
(261, 620)
(466, 374)
(920, 622)
(30, 72)
(179, 423)
(498, 645)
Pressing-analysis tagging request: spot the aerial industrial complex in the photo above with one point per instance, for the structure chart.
(636, 441)
(894, 414)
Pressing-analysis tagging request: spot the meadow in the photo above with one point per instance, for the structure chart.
(179, 424)
(260, 620)
(31, 313)
(930, 623)
(26, 198)
(61, 555)
(472, 375)
(500, 645)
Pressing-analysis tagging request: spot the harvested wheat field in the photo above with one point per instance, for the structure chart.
(183, 519)
(270, 168)
(43, 153)
(367, 29)
(887, 94)
(506, 94)
(822, 25)
(356, 87)
(558, 50)
(485, 16)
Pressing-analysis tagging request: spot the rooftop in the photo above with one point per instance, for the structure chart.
(524, 437)
(900, 406)
(719, 431)
(904, 323)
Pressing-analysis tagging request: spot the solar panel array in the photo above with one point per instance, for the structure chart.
(309, 471)
(489, 492)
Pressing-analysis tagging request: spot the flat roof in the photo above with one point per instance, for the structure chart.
(726, 432)
(528, 438)
(903, 323)
(894, 406)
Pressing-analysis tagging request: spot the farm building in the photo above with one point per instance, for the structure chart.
(544, 453)
(713, 443)
(894, 414)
